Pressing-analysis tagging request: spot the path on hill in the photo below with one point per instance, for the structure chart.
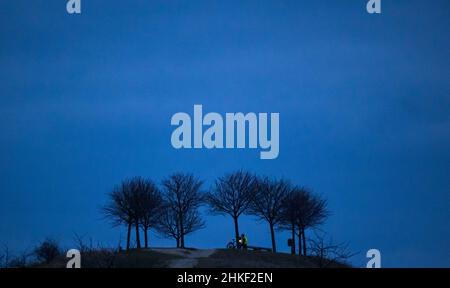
(189, 257)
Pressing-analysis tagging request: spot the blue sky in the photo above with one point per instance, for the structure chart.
(364, 102)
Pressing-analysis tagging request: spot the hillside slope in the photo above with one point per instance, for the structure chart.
(192, 258)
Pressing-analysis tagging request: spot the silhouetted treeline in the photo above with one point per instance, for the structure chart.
(173, 211)
(172, 208)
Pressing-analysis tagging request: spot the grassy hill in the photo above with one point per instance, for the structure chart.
(193, 258)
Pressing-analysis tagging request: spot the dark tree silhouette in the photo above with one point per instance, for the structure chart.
(268, 203)
(150, 206)
(232, 195)
(136, 186)
(5, 257)
(129, 204)
(327, 253)
(168, 224)
(119, 210)
(192, 222)
(312, 211)
(183, 197)
(289, 215)
(47, 251)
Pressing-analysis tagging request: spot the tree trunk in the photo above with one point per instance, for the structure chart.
(272, 234)
(178, 233)
(300, 250)
(146, 236)
(181, 231)
(128, 236)
(304, 241)
(236, 231)
(182, 241)
(293, 239)
(138, 240)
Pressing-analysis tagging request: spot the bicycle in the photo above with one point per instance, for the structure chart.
(232, 244)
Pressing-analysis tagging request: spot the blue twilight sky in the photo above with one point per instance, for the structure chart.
(364, 102)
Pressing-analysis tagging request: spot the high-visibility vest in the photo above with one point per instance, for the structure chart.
(245, 240)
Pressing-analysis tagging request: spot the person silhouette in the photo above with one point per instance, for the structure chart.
(244, 240)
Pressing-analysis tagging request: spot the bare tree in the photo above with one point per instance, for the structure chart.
(5, 257)
(232, 195)
(168, 224)
(268, 203)
(136, 186)
(121, 209)
(150, 206)
(136, 202)
(312, 211)
(301, 210)
(20, 261)
(183, 196)
(47, 251)
(192, 222)
(289, 215)
(95, 256)
(327, 253)
(82, 245)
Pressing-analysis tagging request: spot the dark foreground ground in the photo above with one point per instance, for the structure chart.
(193, 258)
